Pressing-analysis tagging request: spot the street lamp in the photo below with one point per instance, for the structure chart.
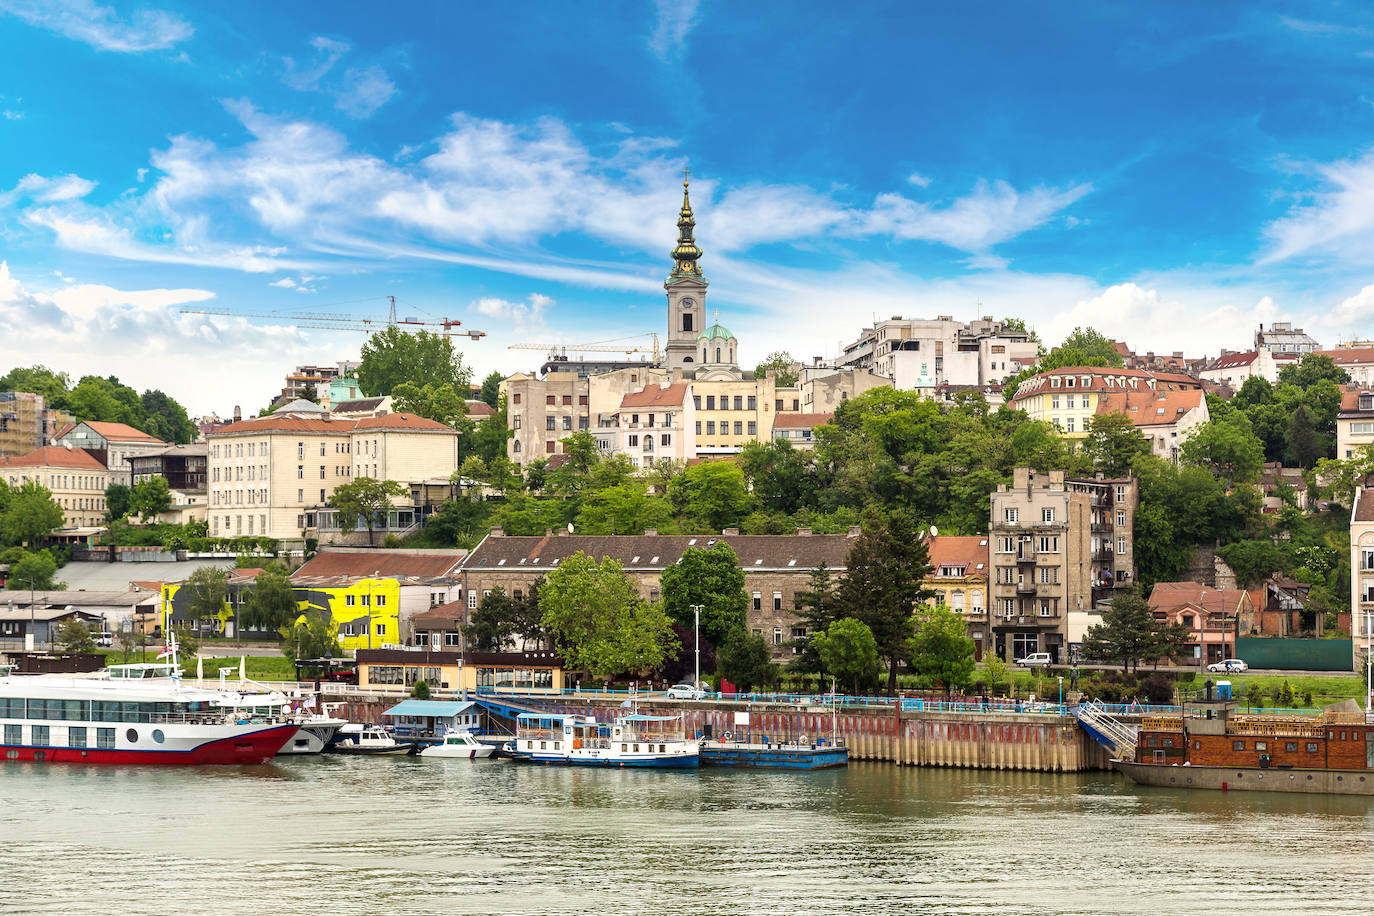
(696, 616)
(1368, 660)
(1061, 694)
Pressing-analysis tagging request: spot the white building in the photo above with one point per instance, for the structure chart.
(1234, 368)
(1282, 337)
(655, 424)
(1355, 422)
(940, 351)
(1166, 418)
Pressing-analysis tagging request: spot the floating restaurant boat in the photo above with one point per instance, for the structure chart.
(630, 741)
(139, 713)
(1209, 745)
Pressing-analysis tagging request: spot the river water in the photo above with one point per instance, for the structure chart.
(328, 835)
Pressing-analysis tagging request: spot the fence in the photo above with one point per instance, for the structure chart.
(1296, 654)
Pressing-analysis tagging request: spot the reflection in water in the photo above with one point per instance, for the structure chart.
(404, 835)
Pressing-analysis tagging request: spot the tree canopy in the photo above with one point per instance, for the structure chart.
(782, 364)
(941, 649)
(712, 578)
(29, 514)
(392, 356)
(362, 500)
(849, 653)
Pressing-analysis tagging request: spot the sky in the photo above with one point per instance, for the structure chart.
(1172, 174)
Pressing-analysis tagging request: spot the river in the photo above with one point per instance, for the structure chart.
(328, 835)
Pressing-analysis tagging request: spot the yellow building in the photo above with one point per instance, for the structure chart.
(1069, 397)
(731, 412)
(494, 672)
(75, 477)
(959, 578)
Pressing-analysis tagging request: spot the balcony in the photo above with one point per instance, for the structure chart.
(1101, 527)
(1025, 555)
(1104, 554)
(1025, 588)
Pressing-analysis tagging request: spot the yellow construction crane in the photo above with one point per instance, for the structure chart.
(328, 322)
(596, 346)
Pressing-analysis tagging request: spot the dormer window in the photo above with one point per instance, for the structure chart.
(1366, 401)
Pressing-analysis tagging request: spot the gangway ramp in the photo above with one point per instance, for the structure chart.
(1107, 730)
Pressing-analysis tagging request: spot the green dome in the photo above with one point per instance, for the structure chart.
(716, 332)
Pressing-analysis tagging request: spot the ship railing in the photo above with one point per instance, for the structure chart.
(540, 734)
(1162, 724)
(220, 717)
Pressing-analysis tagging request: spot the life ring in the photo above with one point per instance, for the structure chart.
(726, 736)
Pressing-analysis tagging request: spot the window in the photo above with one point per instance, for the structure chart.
(666, 439)
(1045, 574)
(300, 449)
(1237, 745)
(549, 423)
(739, 402)
(758, 601)
(76, 736)
(739, 428)
(548, 448)
(1069, 403)
(696, 401)
(321, 449)
(472, 599)
(1120, 493)
(581, 400)
(777, 601)
(516, 397)
(1121, 545)
(698, 427)
(1121, 518)
(39, 735)
(1311, 747)
(710, 402)
(1045, 609)
(1291, 747)
(567, 423)
(567, 400)
(1011, 516)
(321, 472)
(550, 400)
(777, 636)
(582, 422)
(777, 405)
(634, 440)
(1068, 424)
(104, 738)
(1006, 545)
(686, 321)
(753, 402)
(753, 428)
(1047, 516)
(1047, 545)
(710, 427)
(1008, 607)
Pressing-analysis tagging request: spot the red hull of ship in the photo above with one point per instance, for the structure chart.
(256, 747)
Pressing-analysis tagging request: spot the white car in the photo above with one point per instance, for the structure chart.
(1228, 665)
(685, 691)
(1034, 660)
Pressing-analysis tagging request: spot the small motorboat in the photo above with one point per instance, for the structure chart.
(370, 740)
(458, 744)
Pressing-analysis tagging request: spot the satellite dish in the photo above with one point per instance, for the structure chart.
(934, 531)
(922, 535)
(570, 527)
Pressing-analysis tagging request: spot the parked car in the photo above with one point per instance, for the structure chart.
(685, 691)
(1228, 666)
(104, 639)
(1034, 660)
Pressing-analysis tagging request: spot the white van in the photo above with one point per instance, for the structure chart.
(1034, 660)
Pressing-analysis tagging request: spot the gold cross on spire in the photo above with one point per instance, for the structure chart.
(685, 173)
(716, 316)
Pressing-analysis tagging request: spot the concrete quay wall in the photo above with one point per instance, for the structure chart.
(990, 741)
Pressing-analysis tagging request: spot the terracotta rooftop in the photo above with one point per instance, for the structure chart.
(382, 564)
(116, 432)
(1169, 595)
(1348, 356)
(1350, 399)
(655, 396)
(1364, 506)
(658, 551)
(273, 423)
(1149, 408)
(968, 552)
(1233, 360)
(453, 610)
(1106, 378)
(801, 420)
(407, 421)
(55, 456)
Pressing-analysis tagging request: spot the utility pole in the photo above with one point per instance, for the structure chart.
(696, 616)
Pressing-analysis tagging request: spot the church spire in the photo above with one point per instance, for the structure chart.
(686, 253)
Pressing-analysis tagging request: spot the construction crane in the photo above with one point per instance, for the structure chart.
(596, 346)
(328, 322)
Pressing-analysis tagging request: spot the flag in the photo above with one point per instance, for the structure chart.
(166, 651)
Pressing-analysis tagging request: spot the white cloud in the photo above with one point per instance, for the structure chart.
(11, 114)
(102, 27)
(524, 316)
(41, 189)
(994, 213)
(301, 284)
(918, 180)
(673, 20)
(1333, 222)
(358, 92)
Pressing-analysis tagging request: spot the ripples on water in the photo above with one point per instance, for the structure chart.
(410, 836)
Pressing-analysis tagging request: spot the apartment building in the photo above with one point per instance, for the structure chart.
(541, 411)
(403, 447)
(823, 390)
(941, 350)
(732, 412)
(776, 568)
(1070, 397)
(656, 424)
(799, 429)
(1362, 570)
(27, 422)
(76, 479)
(1234, 368)
(1041, 539)
(112, 444)
(1355, 421)
(959, 577)
(1165, 418)
(272, 476)
(1112, 504)
(1282, 337)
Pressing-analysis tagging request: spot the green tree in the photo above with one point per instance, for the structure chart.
(1338, 478)
(818, 606)
(188, 643)
(75, 636)
(941, 649)
(1228, 448)
(599, 622)
(313, 634)
(165, 418)
(1311, 369)
(440, 403)
(744, 661)
(779, 475)
(150, 498)
(1114, 443)
(885, 573)
(711, 494)
(1305, 444)
(624, 509)
(32, 572)
(1084, 347)
(491, 388)
(1254, 391)
(493, 623)
(995, 670)
(850, 653)
(271, 603)
(1018, 326)
(207, 593)
(393, 356)
(1126, 633)
(53, 386)
(106, 400)
(712, 578)
(30, 514)
(782, 363)
(118, 501)
(362, 500)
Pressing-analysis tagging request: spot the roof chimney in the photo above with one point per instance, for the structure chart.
(803, 532)
(498, 532)
(238, 413)
(730, 533)
(855, 530)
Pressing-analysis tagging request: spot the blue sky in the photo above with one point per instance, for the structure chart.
(1172, 174)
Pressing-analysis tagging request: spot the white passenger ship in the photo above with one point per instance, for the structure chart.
(140, 713)
(631, 741)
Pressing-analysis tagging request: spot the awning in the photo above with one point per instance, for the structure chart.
(441, 709)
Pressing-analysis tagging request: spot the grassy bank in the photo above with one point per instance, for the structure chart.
(258, 668)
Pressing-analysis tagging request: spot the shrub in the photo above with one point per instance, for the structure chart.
(420, 691)
(391, 542)
(1158, 689)
(1307, 698)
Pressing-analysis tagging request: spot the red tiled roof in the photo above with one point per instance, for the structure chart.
(968, 552)
(451, 611)
(1350, 398)
(381, 563)
(273, 423)
(1364, 506)
(117, 432)
(480, 409)
(55, 456)
(801, 420)
(1348, 356)
(1148, 408)
(669, 396)
(1170, 595)
(532, 554)
(408, 421)
(1134, 379)
(1233, 360)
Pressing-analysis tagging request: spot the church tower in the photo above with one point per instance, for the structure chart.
(686, 294)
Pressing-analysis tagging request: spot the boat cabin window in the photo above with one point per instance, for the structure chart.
(1237, 745)
(1311, 747)
(1261, 745)
(129, 672)
(1291, 746)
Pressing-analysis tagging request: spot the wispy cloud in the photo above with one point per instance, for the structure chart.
(523, 316)
(993, 213)
(1333, 221)
(357, 91)
(673, 20)
(41, 189)
(102, 27)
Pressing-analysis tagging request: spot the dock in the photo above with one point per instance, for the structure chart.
(818, 756)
